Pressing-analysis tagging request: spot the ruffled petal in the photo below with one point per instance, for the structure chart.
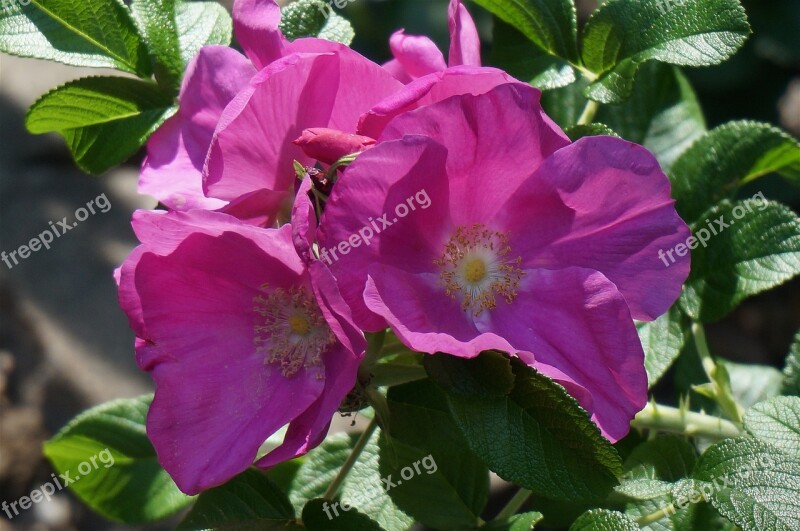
(575, 320)
(362, 223)
(197, 305)
(494, 142)
(252, 147)
(418, 55)
(465, 44)
(256, 25)
(423, 317)
(621, 216)
(172, 171)
(431, 89)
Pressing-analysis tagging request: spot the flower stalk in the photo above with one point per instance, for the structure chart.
(336, 484)
(514, 505)
(681, 421)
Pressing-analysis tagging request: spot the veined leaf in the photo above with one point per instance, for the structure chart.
(100, 33)
(124, 482)
(103, 119)
(623, 34)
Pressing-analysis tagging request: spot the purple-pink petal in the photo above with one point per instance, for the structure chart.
(465, 44)
(256, 25)
(417, 55)
(197, 304)
(577, 321)
(622, 214)
(172, 171)
(252, 147)
(431, 89)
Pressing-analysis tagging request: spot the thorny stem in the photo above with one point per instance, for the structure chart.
(336, 484)
(656, 516)
(724, 398)
(673, 420)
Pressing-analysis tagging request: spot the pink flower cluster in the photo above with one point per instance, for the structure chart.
(532, 245)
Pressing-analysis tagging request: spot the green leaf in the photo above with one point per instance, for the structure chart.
(363, 488)
(651, 470)
(791, 373)
(564, 105)
(666, 458)
(518, 522)
(438, 480)
(575, 132)
(538, 437)
(315, 18)
(663, 113)
(759, 250)
(752, 484)
(337, 29)
(776, 422)
(303, 18)
(248, 501)
(320, 468)
(662, 340)
(550, 24)
(99, 34)
(200, 24)
(751, 384)
(175, 30)
(514, 53)
(103, 119)
(126, 482)
(156, 22)
(623, 34)
(604, 520)
(322, 515)
(731, 155)
(615, 86)
(490, 374)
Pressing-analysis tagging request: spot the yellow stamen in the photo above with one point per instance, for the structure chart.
(290, 330)
(475, 267)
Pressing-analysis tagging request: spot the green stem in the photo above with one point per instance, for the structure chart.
(656, 516)
(589, 112)
(374, 347)
(673, 420)
(513, 505)
(336, 484)
(724, 398)
(397, 348)
(702, 350)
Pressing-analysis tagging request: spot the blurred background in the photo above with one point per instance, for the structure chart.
(65, 345)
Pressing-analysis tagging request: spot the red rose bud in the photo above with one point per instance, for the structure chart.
(329, 145)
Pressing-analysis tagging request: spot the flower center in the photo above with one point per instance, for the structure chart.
(299, 325)
(474, 270)
(290, 330)
(475, 266)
